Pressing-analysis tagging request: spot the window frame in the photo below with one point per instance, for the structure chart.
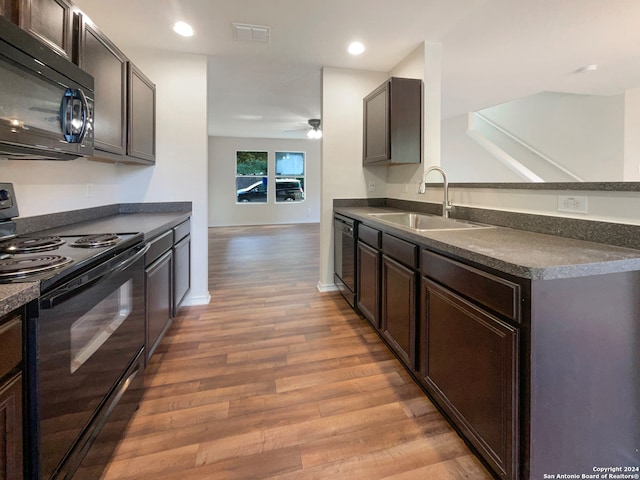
(302, 177)
(259, 178)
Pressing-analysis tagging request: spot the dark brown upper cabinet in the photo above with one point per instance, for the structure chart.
(48, 20)
(124, 112)
(5, 8)
(141, 106)
(392, 116)
(108, 66)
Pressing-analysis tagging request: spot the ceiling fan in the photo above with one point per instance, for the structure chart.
(313, 128)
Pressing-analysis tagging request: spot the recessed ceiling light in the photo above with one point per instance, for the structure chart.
(355, 48)
(182, 28)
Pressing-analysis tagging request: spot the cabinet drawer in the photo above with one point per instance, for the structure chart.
(10, 344)
(369, 235)
(158, 246)
(181, 231)
(402, 251)
(495, 293)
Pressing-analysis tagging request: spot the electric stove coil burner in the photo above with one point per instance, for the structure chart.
(32, 244)
(23, 266)
(98, 240)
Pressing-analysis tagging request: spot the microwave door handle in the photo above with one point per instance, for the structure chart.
(74, 114)
(60, 295)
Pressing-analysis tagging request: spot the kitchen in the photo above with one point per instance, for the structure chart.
(123, 184)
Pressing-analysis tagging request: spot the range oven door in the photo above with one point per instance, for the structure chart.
(89, 332)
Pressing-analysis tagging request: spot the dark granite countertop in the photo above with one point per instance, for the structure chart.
(128, 220)
(16, 295)
(516, 252)
(150, 224)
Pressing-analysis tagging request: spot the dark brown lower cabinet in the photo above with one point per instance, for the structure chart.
(368, 283)
(470, 366)
(11, 429)
(11, 467)
(541, 376)
(399, 309)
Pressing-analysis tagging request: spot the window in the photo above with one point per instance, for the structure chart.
(251, 177)
(290, 177)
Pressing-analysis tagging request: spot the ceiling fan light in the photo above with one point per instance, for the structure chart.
(314, 134)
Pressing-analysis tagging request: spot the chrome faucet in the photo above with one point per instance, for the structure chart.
(446, 204)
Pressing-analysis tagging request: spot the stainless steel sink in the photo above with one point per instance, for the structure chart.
(424, 222)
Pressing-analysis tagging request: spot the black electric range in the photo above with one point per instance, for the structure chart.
(52, 260)
(48, 259)
(83, 341)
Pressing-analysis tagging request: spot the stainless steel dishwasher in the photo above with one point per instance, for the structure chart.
(344, 258)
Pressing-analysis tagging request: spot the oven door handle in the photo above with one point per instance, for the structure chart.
(73, 288)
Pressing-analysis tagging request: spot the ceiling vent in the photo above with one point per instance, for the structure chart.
(251, 33)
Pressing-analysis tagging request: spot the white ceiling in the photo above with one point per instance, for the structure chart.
(493, 50)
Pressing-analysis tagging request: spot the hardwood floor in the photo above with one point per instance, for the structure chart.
(274, 379)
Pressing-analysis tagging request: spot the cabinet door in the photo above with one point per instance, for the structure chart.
(470, 366)
(368, 283)
(11, 429)
(158, 290)
(50, 21)
(399, 309)
(5, 9)
(182, 271)
(141, 106)
(376, 142)
(108, 66)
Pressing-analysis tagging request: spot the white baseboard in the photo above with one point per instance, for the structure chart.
(327, 287)
(197, 300)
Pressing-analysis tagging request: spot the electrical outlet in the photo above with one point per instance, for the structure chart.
(572, 204)
(372, 186)
(406, 188)
(89, 189)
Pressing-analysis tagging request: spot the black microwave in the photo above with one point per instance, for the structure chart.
(46, 102)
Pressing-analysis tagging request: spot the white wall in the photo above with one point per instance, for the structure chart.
(180, 172)
(583, 133)
(49, 186)
(223, 209)
(466, 161)
(342, 173)
(631, 137)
